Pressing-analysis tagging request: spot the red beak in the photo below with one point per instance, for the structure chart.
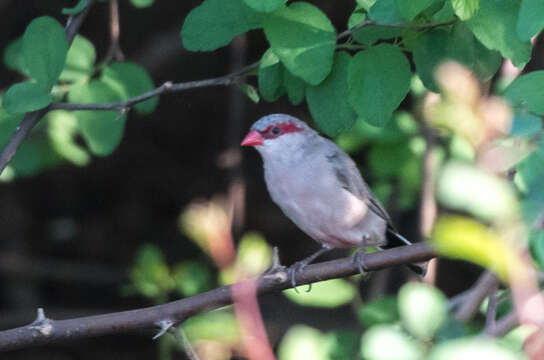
(253, 138)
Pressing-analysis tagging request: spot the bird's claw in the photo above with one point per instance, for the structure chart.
(293, 270)
(276, 265)
(359, 260)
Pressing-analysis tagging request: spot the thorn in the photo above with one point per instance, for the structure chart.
(164, 325)
(42, 324)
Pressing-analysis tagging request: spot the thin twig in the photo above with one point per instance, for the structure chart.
(31, 119)
(368, 22)
(114, 50)
(504, 325)
(178, 311)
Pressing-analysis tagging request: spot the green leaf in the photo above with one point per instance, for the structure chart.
(192, 278)
(365, 4)
(438, 46)
(142, 3)
(34, 156)
(378, 80)
(531, 19)
(251, 92)
(387, 12)
(102, 130)
(473, 348)
(526, 125)
(368, 35)
(379, 311)
(383, 342)
(422, 308)
(294, 87)
(495, 26)
(129, 80)
(303, 342)
(467, 188)
(410, 9)
(150, 275)
(218, 325)
(270, 76)
(44, 50)
(304, 39)
(214, 23)
(24, 97)
(13, 56)
(536, 245)
(62, 131)
(465, 9)
(76, 9)
(79, 61)
(8, 124)
(328, 101)
(265, 5)
(527, 92)
(328, 294)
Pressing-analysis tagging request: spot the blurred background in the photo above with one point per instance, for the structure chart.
(116, 232)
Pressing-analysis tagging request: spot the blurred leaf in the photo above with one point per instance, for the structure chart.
(495, 26)
(76, 9)
(365, 4)
(214, 23)
(386, 11)
(79, 61)
(536, 246)
(422, 309)
(129, 80)
(378, 80)
(24, 97)
(304, 39)
(410, 9)
(531, 19)
(13, 56)
(451, 329)
(516, 338)
(192, 277)
(475, 348)
(102, 130)
(465, 9)
(461, 149)
(328, 101)
(34, 156)
(44, 50)
(265, 5)
(218, 325)
(62, 131)
(526, 125)
(328, 294)
(294, 87)
(343, 345)
(465, 187)
(142, 3)
(379, 311)
(445, 13)
(270, 76)
(386, 342)
(254, 253)
(526, 92)
(303, 342)
(150, 274)
(251, 92)
(463, 238)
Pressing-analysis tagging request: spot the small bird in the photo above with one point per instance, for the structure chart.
(318, 186)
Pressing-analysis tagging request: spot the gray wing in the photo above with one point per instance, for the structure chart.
(349, 176)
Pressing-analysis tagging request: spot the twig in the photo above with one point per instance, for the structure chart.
(470, 306)
(31, 119)
(491, 313)
(178, 311)
(114, 50)
(504, 325)
(368, 22)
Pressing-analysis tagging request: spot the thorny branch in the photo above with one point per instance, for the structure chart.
(47, 330)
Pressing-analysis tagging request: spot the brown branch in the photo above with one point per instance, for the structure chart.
(504, 325)
(44, 331)
(477, 294)
(31, 119)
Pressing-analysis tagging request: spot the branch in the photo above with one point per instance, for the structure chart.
(477, 294)
(167, 87)
(45, 331)
(32, 118)
(368, 22)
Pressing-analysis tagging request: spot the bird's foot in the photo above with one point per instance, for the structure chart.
(359, 260)
(294, 269)
(276, 266)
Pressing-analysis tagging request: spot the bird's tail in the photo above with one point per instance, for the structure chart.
(418, 268)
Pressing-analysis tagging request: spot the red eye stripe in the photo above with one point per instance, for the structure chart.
(285, 128)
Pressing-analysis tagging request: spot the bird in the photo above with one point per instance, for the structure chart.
(319, 187)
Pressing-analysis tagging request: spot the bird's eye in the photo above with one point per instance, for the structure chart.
(275, 130)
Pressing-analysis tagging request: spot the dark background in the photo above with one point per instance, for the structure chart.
(69, 235)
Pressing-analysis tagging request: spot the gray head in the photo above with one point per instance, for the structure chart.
(278, 134)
